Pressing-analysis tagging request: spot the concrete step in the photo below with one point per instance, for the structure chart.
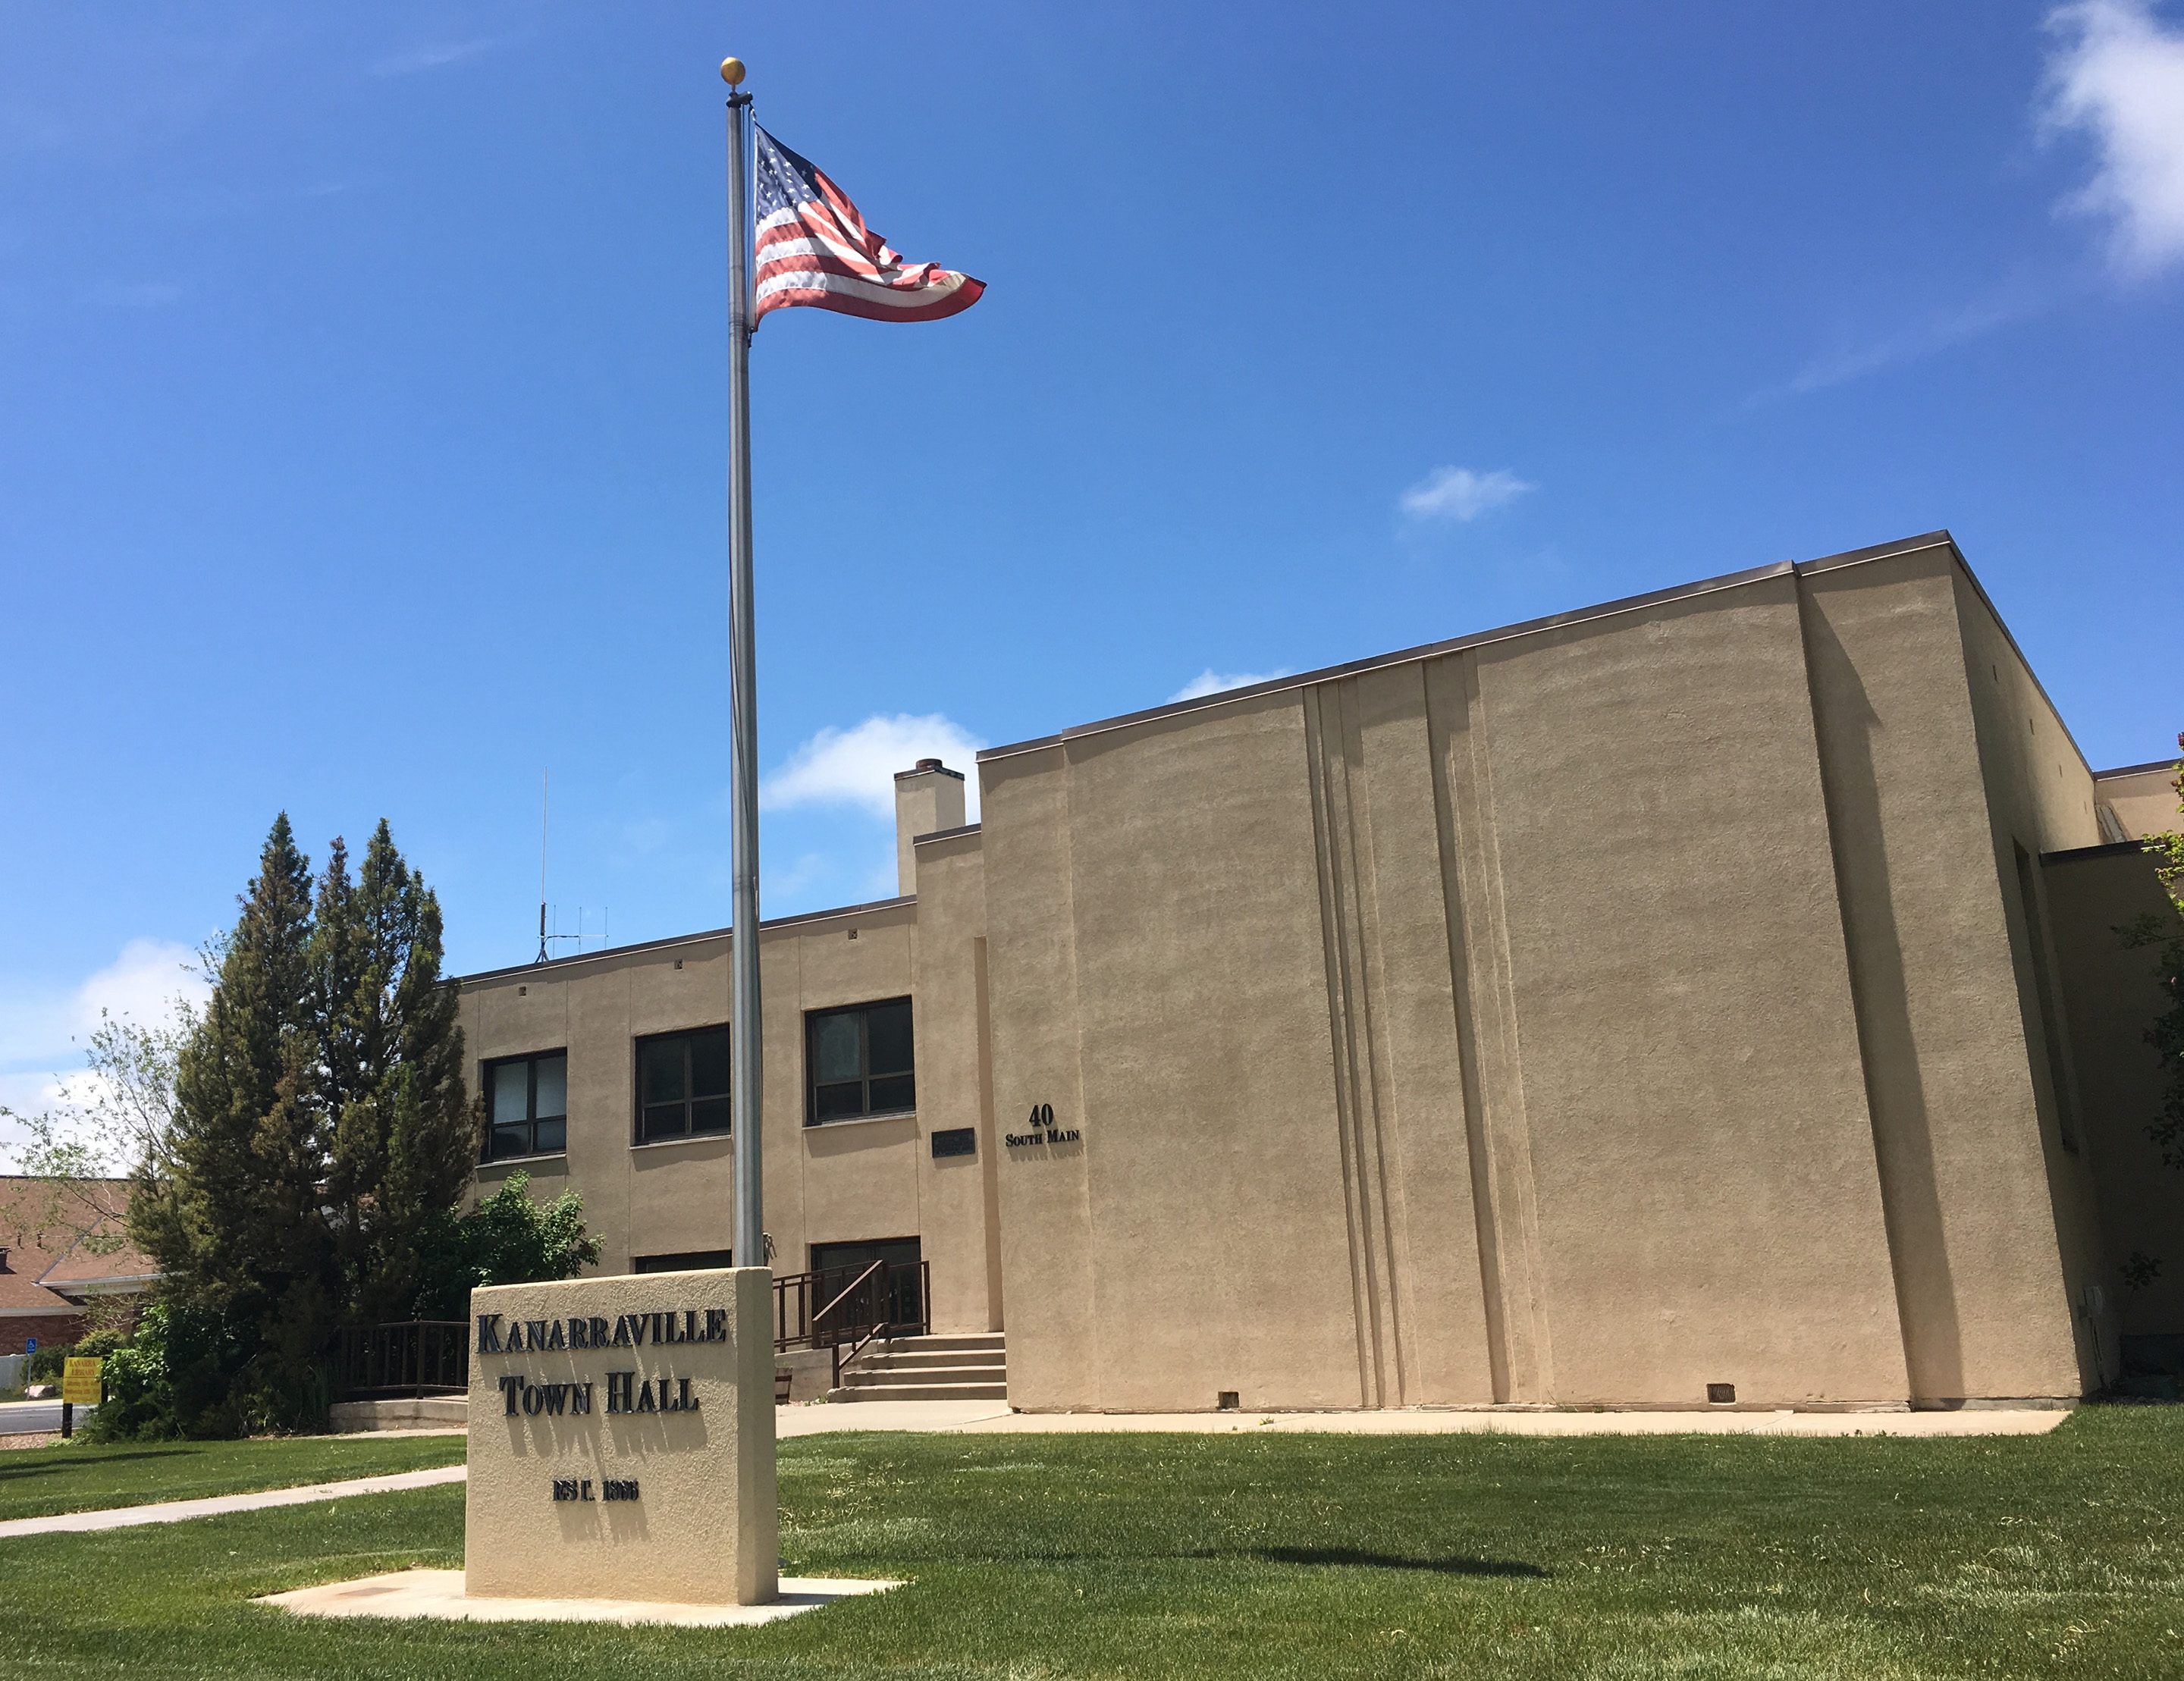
(900, 1359)
(876, 1392)
(972, 1366)
(963, 1342)
(861, 1374)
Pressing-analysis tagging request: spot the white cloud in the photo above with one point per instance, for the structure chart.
(1459, 493)
(43, 1035)
(1211, 681)
(431, 58)
(857, 766)
(141, 984)
(2119, 75)
(1929, 338)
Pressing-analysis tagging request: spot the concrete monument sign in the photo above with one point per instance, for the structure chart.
(621, 1439)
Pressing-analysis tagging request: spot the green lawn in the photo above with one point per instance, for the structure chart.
(1303, 1556)
(77, 1477)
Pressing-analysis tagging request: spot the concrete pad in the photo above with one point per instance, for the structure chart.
(439, 1594)
(989, 1418)
(218, 1505)
(823, 1416)
(1430, 1422)
(401, 1416)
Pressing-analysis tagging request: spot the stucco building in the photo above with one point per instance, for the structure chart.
(1709, 993)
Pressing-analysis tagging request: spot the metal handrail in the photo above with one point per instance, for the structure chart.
(414, 1357)
(880, 1266)
(856, 1301)
(884, 1330)
(879, 1330)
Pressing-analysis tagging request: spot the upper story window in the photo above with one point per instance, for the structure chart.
(682, 1084)
(528, 1098)
(857, 1061)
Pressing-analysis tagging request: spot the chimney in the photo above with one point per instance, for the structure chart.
(927, 798)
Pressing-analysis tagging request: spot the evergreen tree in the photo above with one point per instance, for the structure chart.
(404, 1135)
(236, 1226)
(321, 1141)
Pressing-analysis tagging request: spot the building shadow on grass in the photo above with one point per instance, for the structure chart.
(1352, 1556)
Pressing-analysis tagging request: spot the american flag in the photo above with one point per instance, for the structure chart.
(814, 248)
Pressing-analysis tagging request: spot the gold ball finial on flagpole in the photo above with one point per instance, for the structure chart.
(732, 72)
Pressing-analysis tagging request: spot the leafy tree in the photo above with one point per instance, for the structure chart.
(2167, 1033)
(507, 1238)
(175, 1375)
(404, 1133)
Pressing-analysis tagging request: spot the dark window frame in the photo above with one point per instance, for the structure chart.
(640, 1129)
(682, 1261)
(488, 1072)
(867, 1078)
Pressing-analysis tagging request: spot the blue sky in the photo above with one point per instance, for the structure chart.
(362, 431)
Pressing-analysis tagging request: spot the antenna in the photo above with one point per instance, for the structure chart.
(545, 939)
(545, 786)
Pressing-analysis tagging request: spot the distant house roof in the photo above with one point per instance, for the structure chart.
(51, 1265)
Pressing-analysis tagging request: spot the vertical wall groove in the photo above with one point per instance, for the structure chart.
(1336, 947)
(1492, 1288)
(1341, 822)
(1502, 1149)
(1378, 1152)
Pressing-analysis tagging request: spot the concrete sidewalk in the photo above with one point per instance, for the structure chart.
(216, 1505)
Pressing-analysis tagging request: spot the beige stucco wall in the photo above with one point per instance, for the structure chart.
(1606, 1009)
(1298, 1124)
(2144, 801)
(957, 1193)
(1963, 1167)
(843, 1182)
(1585, 1013)
(1699, 1137)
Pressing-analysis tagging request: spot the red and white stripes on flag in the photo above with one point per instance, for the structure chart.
(814, 248)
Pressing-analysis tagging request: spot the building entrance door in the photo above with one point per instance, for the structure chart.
(904, 1277)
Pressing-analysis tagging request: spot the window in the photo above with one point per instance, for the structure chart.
(529, 1099)
(682, 1084)
(857, 1061)
(686, 1260)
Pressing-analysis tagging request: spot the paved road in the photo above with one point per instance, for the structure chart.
(26, 1418)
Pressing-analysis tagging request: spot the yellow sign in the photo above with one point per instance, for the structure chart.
(80, 1382)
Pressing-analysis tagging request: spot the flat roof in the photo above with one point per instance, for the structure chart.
(2168, 765)
(764, 924)
(1606, 609)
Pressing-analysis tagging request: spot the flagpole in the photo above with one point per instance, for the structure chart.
(746, 1036)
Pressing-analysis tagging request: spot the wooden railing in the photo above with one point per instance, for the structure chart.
(413, 1357)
